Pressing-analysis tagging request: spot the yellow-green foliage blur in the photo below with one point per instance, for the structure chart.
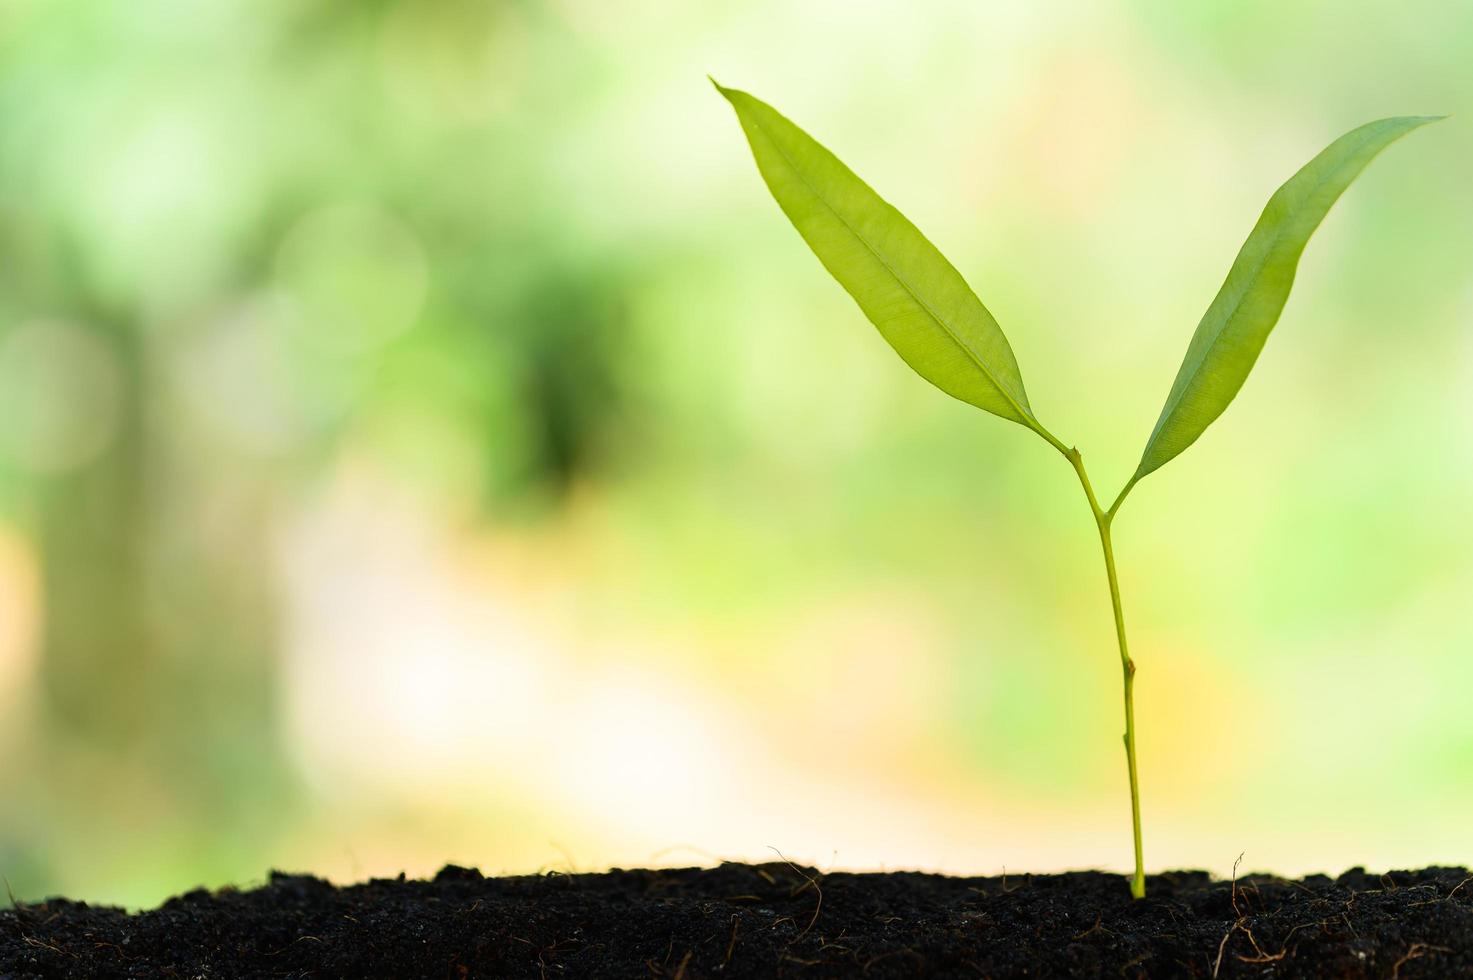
(422, 439)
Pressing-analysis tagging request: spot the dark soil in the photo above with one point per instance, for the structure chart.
(772, 920)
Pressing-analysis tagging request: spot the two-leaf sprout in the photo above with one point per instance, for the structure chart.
(929, 314)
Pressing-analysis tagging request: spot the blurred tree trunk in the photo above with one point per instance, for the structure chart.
(159, 633)
(98, 666)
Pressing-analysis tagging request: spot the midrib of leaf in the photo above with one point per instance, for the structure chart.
(884, 261)
(1237, 304)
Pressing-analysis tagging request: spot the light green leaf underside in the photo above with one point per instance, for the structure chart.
(905, 286)
(1235, 326)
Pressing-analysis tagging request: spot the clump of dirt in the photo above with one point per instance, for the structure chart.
(772, 920)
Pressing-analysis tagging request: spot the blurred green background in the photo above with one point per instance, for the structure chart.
(422, 439)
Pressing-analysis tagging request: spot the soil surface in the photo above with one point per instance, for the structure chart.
(773, 920)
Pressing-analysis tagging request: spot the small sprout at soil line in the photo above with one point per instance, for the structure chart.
(929, 314)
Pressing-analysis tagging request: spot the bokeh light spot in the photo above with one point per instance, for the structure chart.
(358, 274)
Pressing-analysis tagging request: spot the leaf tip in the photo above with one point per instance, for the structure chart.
(1417, 122)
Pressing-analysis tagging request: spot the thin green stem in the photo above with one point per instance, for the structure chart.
(1124, 492)
(1127, 665)
(1103, 519)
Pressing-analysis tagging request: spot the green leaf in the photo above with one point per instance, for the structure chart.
(1235, 326)
(919, 302)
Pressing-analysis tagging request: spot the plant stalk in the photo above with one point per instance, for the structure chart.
(1127, 666)
(1103, 519)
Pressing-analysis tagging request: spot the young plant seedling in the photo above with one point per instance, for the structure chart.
(938, 326)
